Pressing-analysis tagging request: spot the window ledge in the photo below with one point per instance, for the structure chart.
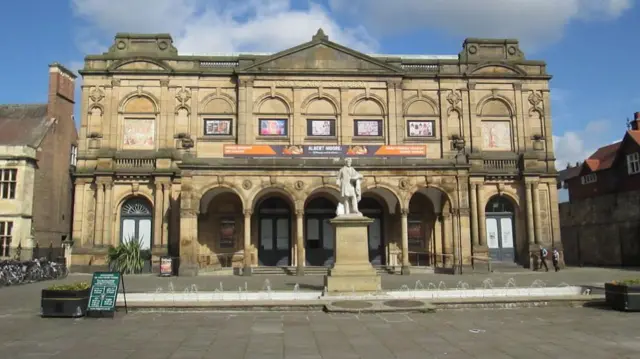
(217, 138)
(367, 138)
(273, 138)
(422, 139)
(321, 138)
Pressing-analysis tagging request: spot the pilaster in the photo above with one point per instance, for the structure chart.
(536, 213)
(474, 215)
(300, 252)
(247, 242)
(166, 192)
(99, 218)
(108, 214)
(447, 243)
(158, 206)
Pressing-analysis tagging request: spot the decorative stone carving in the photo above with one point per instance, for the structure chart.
(248, 212)
(164, 82)
(454, 98)
(139, 90)
(246, 184)
(96, 94)
(299, 185)
(535, 99)
(183, 96)
(135, 187)
(403, 184)
(115, 82)
(349, 181)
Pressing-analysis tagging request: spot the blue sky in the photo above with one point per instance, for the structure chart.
(591, 46)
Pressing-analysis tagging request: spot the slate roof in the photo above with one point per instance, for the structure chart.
(23, 125)
(603, 158)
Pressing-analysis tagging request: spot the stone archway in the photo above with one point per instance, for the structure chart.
(319, 234)
(136, 221)
(430, 237)
(383, 206)
(273, 214)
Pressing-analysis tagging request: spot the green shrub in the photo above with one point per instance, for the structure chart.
(127, 257)
(627, 282)
(72, 286)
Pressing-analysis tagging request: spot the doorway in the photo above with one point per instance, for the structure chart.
(319, 233)
(274, 232)
(136, 222)
(500, 229)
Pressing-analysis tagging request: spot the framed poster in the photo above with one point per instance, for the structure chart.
(139, 133)
(321, 128)
(227, 233)
(417, 128)
(215, 127)
(275, 127)
(365, 128)
(415, 233)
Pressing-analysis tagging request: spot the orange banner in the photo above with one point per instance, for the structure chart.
(401, 151)
(249, 150)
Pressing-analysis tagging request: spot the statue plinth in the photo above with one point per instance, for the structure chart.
(352, 271)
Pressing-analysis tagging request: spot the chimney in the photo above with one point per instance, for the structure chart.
(635, 124)
(61, 92)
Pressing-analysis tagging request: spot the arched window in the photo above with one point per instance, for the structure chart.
(499, 204)
(136, 219)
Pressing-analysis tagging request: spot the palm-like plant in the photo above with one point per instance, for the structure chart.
(126, 257)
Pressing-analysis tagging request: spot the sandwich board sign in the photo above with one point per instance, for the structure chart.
(104, 294)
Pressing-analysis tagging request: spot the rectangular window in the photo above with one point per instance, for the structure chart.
(273, 127)
(590, 178)
(324, 128)
(5, 238)
(633, 163)
(74, 156)
(368, 128)
(216, 127)
(417, 128)
(8, 183)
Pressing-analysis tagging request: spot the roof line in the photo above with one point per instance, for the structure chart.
(402, 56)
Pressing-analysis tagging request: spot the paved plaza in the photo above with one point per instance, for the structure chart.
(519, 333)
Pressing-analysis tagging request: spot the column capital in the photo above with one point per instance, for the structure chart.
(189, 212)
(299, 212)
(248, 212)
(404, 212)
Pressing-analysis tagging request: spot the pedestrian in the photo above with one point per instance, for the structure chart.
(555, 258)
(543, 258)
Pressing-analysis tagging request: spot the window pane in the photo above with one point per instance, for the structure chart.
(9, 228)
(2, 228)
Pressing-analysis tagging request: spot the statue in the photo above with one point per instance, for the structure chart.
(348, 179)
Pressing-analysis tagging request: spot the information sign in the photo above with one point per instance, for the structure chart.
(104, 292)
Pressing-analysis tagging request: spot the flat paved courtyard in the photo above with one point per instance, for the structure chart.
(522, 333)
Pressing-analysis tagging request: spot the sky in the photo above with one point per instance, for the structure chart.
(591, 46)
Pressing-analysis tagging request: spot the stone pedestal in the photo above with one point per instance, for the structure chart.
(352, 271)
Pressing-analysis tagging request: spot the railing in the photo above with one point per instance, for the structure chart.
(420, 67)
(135, 163)
(219, 64)
(481, 259)
(500, 165)
(222, 260)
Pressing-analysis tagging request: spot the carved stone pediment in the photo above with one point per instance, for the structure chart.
(321, 55)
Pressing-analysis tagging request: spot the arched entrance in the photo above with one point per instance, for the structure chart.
(319, 234)
(136, 221)
(500, 228)
(371, 207)
(220, 228)
(274, 232)
(426, 239)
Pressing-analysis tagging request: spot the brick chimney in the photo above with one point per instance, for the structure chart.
(62, 84)
(635, 124)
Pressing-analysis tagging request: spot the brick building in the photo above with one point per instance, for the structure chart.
(601, 222)
(230, 160)
(38, 145)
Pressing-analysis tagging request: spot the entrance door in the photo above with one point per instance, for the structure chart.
(376, 249)
(274, 233)
(136, 222)
(500, 238)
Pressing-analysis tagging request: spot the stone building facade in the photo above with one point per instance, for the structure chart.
(38, 147)
(231, 160)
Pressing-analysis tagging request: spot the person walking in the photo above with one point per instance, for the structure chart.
(555, 258)
(543, 258)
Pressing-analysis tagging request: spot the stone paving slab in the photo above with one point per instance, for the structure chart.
(525, 333)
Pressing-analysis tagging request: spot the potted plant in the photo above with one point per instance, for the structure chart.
(146, 258)
(66, 300)
(538, 143)
(623, 295)
(127, 257)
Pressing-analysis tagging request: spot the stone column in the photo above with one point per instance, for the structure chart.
(188, 242)
(166, 192)
(536, 213)
(482, 219)
(300, 257)
(437, 239)
(530, 231)
(157, 216)
(405, 241)
(99, 219)
(108, 215)
(446, 243)
(79, 214)
(456, 237)
(474, 217)
(247, 243)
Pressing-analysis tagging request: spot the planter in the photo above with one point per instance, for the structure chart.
(623, 297)
(64, 303)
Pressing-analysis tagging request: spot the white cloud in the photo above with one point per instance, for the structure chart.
(535, 22)
(576, 146)
(200, 26)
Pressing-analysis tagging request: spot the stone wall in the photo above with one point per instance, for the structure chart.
(602, 231)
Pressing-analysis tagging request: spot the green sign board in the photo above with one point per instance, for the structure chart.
(104, 291)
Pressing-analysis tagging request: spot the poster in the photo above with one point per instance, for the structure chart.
(273, 127)
(327, 151)
(139, 134)
(368, 128)
(415, 233)
(321, 128)
(496, 135)
(217, 127)
(227, 233)
(420, 128)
